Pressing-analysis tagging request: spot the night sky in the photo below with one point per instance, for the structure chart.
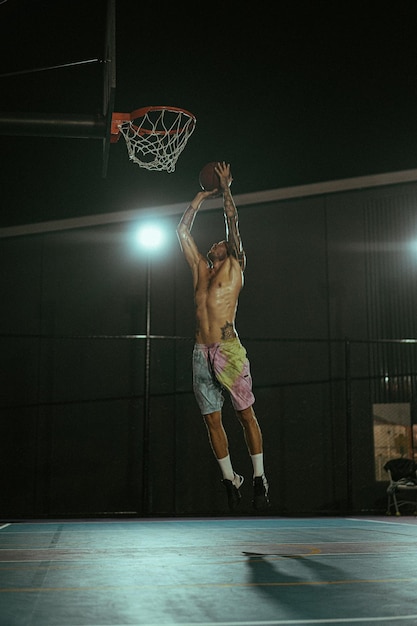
(289, 93)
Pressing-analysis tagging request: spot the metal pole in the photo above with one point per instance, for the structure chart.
(349, 450)
(53, 125)
(146, 401)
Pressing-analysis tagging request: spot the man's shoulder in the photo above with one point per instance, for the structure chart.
(232, 270)
(202, 262)
(238, 262)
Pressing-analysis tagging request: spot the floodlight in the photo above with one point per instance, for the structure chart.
(150, 236)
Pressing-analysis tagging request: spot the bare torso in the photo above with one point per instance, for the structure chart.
(216, 297)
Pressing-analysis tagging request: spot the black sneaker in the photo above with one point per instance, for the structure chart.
(260, 500)
(233, 494)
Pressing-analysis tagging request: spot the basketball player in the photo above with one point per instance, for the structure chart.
(219, 359)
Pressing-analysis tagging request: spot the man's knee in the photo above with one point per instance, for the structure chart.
(213, 420)
(246, 416)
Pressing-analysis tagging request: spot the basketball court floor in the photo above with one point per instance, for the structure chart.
(254, 571)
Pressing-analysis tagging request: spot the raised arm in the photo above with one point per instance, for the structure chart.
(187, 243)
(233, 237)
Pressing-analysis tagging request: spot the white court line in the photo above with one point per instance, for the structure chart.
(280, 622)
(381, 521)
(4, 526)
(300, 522)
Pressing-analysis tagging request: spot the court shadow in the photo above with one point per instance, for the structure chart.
(297, 584)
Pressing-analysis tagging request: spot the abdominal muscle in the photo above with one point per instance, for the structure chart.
(216, 297)
(213, 330)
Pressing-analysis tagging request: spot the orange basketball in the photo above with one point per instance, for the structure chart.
(208, 178)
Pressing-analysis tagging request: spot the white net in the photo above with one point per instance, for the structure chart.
(156, 136)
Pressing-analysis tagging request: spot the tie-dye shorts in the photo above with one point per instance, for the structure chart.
(219, 366)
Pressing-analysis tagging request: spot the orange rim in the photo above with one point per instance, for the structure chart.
(119, 118)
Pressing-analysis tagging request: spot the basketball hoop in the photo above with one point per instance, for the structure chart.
(155, 136)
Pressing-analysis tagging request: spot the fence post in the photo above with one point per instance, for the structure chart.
(348, 398)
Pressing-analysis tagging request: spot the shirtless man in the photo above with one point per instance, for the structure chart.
(219, 359)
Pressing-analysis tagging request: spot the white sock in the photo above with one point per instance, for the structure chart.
(258, 464)
(226, 468)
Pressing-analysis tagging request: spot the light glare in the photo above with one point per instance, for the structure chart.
(150, 236)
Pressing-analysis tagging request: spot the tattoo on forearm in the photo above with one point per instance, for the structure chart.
(232, 228)
(229, 205)
(228, 331)
(188, 217)
(233, 239)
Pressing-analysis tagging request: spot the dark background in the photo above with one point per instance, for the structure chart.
(289, 93)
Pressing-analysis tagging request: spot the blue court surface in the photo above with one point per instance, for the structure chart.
(197, 572)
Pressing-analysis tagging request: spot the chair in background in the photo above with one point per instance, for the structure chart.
(402, 474)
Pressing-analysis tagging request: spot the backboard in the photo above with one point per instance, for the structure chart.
(109, 79)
